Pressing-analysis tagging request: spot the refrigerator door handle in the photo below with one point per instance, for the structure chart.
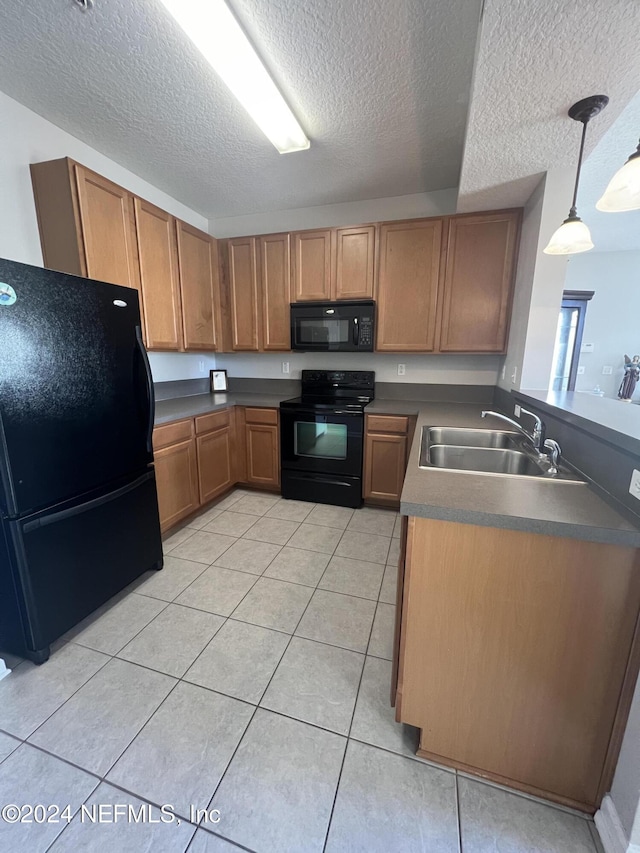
(55, 517)
(150, 391)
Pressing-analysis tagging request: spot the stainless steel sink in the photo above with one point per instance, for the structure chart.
(473, 437)
(487, 451)
(488, 460)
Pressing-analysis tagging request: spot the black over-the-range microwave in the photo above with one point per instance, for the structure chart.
(333, 326)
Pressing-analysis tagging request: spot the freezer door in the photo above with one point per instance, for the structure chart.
(65, 564)
(76, 397)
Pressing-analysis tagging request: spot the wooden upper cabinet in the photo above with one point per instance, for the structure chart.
(407, 287)
(275, 278)
(478, 282)
(355, 252)
(159, 276)
(311, 265)
(198, 266)
(243, 293)
(107, 221)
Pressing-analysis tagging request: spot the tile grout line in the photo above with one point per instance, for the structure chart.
(258, 706)
(458, 814)
(344, 756)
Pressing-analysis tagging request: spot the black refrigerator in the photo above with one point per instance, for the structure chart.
(78, 504)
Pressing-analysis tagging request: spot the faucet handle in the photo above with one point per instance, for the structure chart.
(553, 450)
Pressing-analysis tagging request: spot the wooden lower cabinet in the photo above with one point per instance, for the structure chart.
(176, 467)
(262, 448)
(387, 443)
(518, 655)
(198, 459)
(216, 469)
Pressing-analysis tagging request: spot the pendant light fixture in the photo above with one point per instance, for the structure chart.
(573, 236)
(623, 192)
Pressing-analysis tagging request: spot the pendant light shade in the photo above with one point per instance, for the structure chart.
(623, 192)
(573, 236)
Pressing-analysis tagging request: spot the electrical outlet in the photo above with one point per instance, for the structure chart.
(514, 375)
(201, 366)
(581, 370)
(516, 410)
(634, 485)
(607, 370)
(285, 366)
(402, 369)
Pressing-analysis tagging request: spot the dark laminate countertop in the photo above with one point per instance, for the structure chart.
(535, 505)
(529, 504)
(202, 404)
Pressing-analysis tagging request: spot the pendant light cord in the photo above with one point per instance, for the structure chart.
(573, 212)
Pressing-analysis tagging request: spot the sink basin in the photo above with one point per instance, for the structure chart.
(486, 451)
(473, 437)
(487, 460)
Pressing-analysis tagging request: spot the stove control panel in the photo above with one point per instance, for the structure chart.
(353, 380)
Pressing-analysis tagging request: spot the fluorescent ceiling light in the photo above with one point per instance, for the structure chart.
(216, 33)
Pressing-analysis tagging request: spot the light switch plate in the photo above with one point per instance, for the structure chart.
(634, 485)
(285, 366)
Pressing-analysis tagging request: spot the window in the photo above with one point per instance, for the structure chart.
(566, 352)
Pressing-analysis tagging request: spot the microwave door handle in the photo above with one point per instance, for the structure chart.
(356, 332)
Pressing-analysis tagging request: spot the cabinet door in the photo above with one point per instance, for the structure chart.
(215, 467)
(480, 266)
(385, 462)
(275, 277)
(243, 293)
(263, 457)
(158, 255)
(407, 288)
(108, 232)
(177, 482)
(198, 267)
(354, 262)
(311, 265)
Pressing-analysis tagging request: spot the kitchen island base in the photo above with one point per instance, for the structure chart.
(518, 655)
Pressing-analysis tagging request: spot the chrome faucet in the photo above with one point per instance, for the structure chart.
(536, 437)
(553, 450)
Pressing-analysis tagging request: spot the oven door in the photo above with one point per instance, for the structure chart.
(321, 442)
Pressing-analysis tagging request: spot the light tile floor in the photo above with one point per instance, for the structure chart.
(251, 675)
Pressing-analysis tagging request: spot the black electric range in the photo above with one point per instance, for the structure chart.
(322, 437)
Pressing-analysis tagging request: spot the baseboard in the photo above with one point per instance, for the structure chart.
(609, 826)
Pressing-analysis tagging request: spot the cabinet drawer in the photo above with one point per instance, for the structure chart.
(261, 416)
(216, 420)
(387, 423)
(172, 433)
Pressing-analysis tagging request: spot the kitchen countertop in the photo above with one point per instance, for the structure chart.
(202, 404)
(573, 510)
(534, 505)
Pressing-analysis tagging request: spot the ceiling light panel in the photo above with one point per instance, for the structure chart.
(213, 29)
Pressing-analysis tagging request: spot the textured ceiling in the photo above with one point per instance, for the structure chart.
(611, 232)
(534, 60)
(380, 86)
